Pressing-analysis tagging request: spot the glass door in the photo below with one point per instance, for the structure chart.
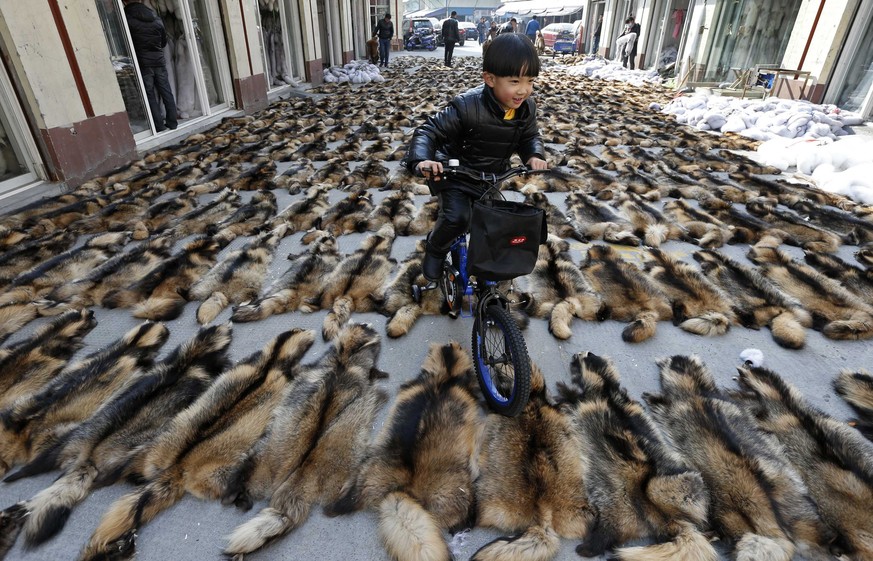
(278, 35)
(205, 29)
(853, 86)
(19, 157)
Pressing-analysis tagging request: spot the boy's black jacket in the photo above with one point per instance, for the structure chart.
(472, 130)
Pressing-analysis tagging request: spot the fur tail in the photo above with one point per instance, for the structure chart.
(855, 329)
(787, 331)
(11, 521)
(641, 328)
(409, 532)
(561, 318)
(211, 307)
(688, 545)
(262, 309)
(655, 235)
(857, 389)
(51, 507)
(535, 544)
(403, 320)
(708, 324)
(753, 547)
(160, 308)
(268, 525)
(115, 537)
(337, 317)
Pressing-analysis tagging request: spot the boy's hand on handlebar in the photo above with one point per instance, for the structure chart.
(537, 164)
(430, 167)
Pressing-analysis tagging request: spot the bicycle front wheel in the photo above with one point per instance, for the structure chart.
(501, 361)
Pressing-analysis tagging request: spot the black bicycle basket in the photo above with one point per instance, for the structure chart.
(504, 239)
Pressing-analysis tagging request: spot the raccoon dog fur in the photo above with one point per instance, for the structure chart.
(638, 486)
(857, 389)
(530, 481)
(699, 306)
(316, 440)
(197, 450)
(759, 502)
(398, 302)
(834, 460)
(238, 277)
(103, 448)
(629, 295)
(559, 291)
(303, 280)
(347, 215)
(304, 214)
(397, 209)
(35, 421)
(419, 472)
(756, 300)
(355, 283)
(28, 365)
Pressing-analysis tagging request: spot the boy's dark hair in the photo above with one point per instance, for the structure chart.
(511, 54)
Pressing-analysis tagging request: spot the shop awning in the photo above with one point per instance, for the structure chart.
(439, 13)
(540, 7)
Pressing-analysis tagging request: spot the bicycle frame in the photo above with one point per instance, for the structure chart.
(484, 294)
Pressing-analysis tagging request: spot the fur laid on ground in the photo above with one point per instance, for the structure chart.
(531, 481)
(834, 460)
(200, 445)
(398, 301)
(759, 503)
(857, 389)
(419, 472)
(639, 487)
(105, 447)
(315, 441)
(628, 294)
(35, 421)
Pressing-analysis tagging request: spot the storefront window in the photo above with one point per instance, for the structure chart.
(10, 158)
(744, 34)
(275, 34)
(19, 157)
(859, 80)
(206, 46)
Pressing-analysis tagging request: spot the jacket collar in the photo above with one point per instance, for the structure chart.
(494, 106)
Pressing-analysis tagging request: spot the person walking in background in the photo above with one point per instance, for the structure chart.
(531, 30)
(450, 37)
(149, 39)
(509, 27)
(482, 29)
(627, 43)
(384, 31)
(597, 35)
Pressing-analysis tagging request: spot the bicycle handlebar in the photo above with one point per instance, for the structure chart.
(490, 179)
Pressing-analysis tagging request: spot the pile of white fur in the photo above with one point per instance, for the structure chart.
(596, 67)
(355, 72)
(761, 119)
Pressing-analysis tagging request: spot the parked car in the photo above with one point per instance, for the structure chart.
(557, 32)
(438, 29)
(468, 30)
(410, 26)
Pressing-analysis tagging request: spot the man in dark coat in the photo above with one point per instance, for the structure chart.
(631, 28)
(149, 39)
(450, 37)
(384, 31)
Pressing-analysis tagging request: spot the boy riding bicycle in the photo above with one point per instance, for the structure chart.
(481, 128)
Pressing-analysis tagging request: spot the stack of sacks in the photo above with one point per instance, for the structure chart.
(762, 119)
(609, 70)
(355, 72)
(844, 166)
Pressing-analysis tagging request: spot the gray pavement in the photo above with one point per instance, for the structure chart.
(195, 530)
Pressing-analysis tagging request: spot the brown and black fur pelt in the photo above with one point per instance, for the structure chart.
(856, 388)
(249, 218)
(531, 481)
(26, 366)
(356, 283)
(371, 174)
(638, 486)
(852, 228)
(857, 280)
(297, 173)
(301, 281)
(424, 219)
(305, 213)
(835, 311)
(161, 293)
(864, 255)
(258, 177)
(204, 218)
(808, 236)
(557, 221)
(116, 273)
(597, 221)
(199, 447)
(30, 253)
(759, 503)
(116, 215)
(21, 309)
(331, 173)
(60, 219)
(397, 209)
(346, 216)
(104, 448)
(70, 265)
(558, 290)
(398, 301)
(834, 460)
(158, 216)
(701, 227)
(627, 293)
(237, 278)
(34, 421)
(419, 471)
(650, 224)
(756, 300)
(699, 306)
(315, 442)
